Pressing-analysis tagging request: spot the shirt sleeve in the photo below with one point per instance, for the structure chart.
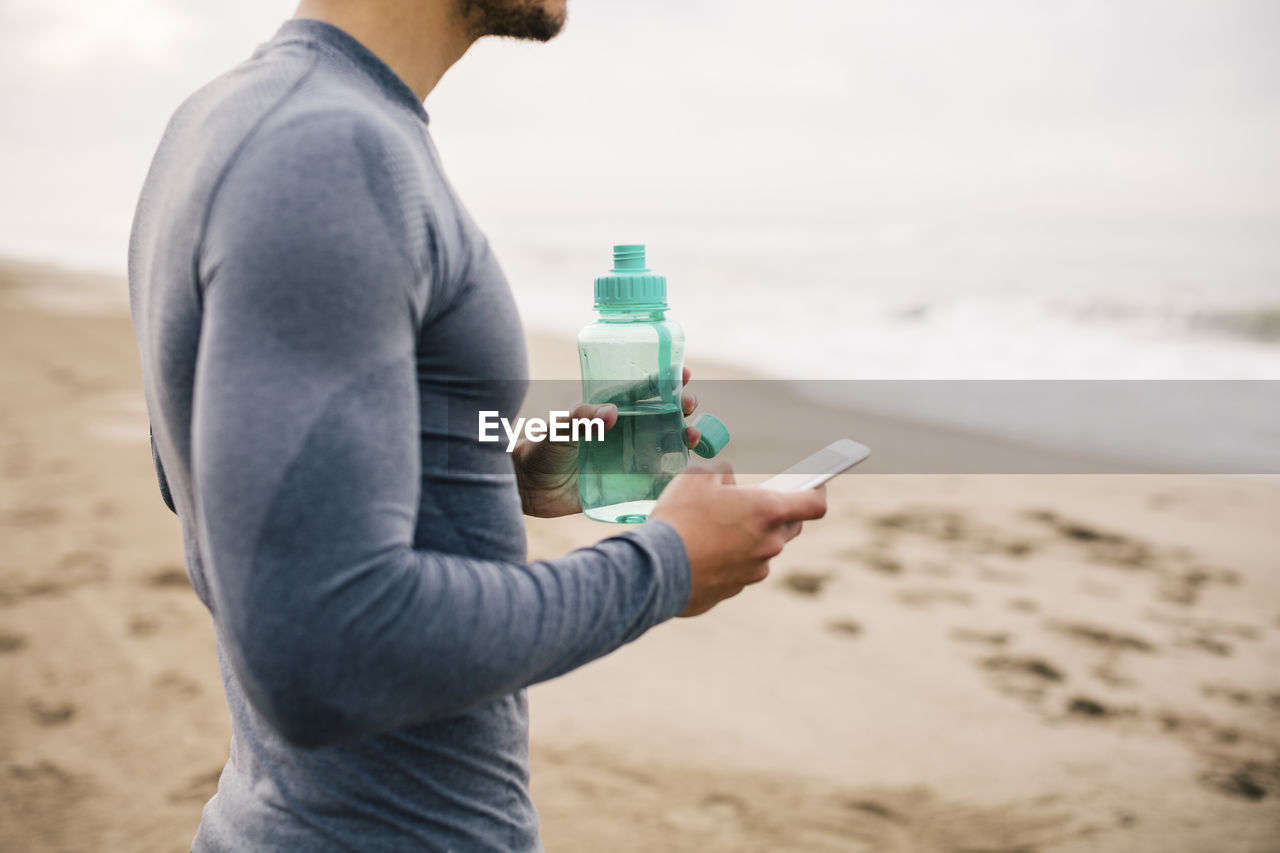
(305, 464)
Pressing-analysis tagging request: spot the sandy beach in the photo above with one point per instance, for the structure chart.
(944, 663)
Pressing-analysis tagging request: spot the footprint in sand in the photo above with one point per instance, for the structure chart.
(927, 596)
(1244, 780)
(985, 638)
(715, 814)
(936, 524)
(1037, 668)
(1237, 762)
(1179, 578)
(1023, 677)
(1108, 672)
(875, 809)
(1101, 637)
(1113, 646)
(1183, 586)
(1227, 693)
(169, 576)
(1104, 546)
(1206, 635)
(806, 583)
(33, 515)
(1083, 706)
(874, 560)
(1205, 643)
(143, 625)
(845, 627)
(51, 713)
(42, 782)
(175, 682)
(946, 525)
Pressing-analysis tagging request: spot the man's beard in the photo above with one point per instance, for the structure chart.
(521, 19)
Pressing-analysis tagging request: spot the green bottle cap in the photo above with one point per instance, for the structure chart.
(630, 284)
(715, 435)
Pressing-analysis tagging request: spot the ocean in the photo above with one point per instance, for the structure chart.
(959, 299)
(981, 300)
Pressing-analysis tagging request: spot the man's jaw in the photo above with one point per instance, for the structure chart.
(532, 20)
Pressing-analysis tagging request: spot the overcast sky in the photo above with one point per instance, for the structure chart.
(808, 112)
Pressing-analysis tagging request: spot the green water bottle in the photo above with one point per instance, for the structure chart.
(633, 356)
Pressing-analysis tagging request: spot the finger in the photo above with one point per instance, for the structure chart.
(717, 471)
(697, 469)
(607, 412)
(806, 505)
(686, 376)
(692, 435)
(720, 469)
(688, 402)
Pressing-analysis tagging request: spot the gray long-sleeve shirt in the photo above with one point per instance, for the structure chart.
(319, 321)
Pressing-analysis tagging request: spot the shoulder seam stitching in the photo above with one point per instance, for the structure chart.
(226, 170)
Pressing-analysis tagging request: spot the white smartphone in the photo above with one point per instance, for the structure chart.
(812, 472)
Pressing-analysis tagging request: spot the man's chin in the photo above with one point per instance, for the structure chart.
(531, 20)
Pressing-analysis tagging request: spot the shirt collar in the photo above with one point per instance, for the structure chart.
(322, 32)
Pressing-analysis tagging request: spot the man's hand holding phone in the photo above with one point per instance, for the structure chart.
(731, 532)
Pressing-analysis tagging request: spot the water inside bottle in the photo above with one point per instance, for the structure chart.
(621, 477)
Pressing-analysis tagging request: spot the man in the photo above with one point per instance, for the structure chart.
(308, 297)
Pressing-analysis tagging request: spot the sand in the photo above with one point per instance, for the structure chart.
(945, 663)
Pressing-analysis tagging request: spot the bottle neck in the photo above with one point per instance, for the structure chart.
(613, 314)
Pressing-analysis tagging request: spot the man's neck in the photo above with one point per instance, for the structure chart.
(417, 40)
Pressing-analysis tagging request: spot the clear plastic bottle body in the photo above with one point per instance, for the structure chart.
(633, 358)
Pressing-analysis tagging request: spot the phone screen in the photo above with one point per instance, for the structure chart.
(824, 461)
(813, 471)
